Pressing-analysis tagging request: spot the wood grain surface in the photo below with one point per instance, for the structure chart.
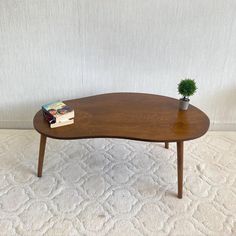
(135, 116)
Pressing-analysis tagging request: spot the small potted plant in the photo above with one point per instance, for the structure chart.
(186, 87)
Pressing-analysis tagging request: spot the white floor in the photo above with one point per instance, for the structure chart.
(116, 187)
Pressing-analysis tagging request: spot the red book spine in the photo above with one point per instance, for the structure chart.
(49, 118)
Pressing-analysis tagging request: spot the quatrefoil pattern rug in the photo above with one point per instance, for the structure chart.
(116, 187)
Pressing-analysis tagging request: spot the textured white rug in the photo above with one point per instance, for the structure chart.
(116, 187)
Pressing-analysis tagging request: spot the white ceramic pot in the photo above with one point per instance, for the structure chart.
(183, 104)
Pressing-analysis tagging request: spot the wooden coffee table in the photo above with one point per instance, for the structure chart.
(135, 116)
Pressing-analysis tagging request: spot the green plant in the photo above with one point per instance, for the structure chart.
(187, 87)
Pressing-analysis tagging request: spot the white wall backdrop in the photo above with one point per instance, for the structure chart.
(63, 49)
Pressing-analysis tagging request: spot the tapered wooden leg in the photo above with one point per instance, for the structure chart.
(41, 154)
(180, 155)
(166, 145)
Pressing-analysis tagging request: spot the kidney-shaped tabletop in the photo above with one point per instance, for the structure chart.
(135, 116)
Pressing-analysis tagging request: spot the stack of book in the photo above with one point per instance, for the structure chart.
(58, 114)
